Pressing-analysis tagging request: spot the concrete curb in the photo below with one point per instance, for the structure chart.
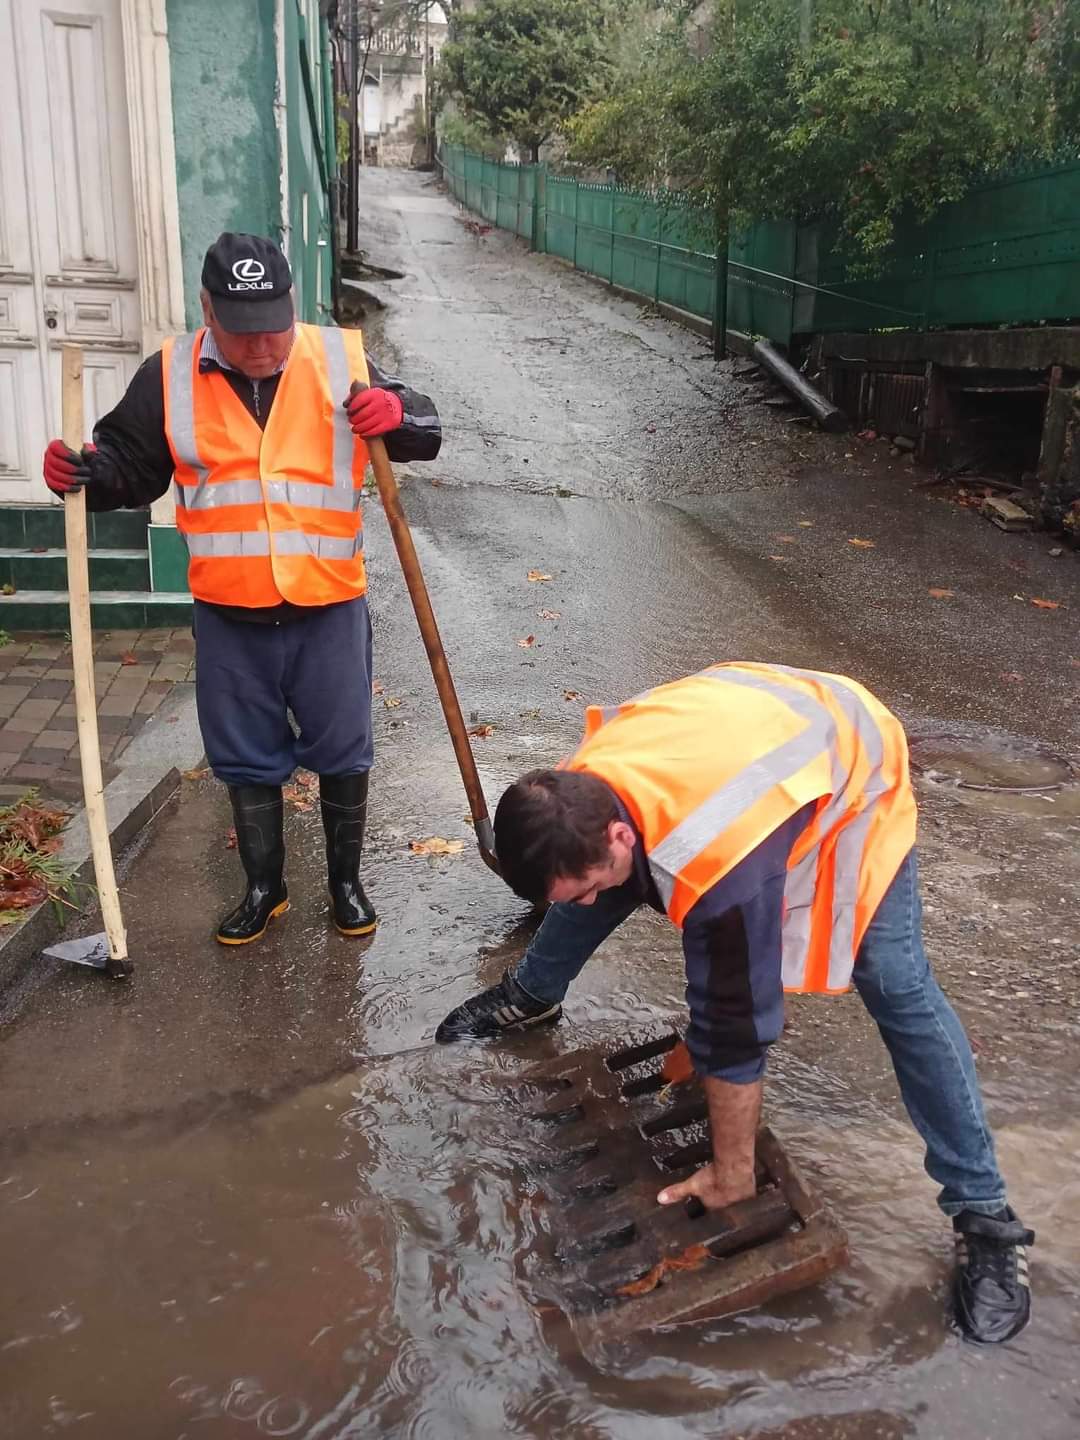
(168, 743)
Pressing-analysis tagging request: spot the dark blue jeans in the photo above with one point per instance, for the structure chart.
(249, 676)
(930, 1052)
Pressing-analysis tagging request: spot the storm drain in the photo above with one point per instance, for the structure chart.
(1004, 765)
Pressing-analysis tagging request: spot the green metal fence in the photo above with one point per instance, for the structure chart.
(1006, 254)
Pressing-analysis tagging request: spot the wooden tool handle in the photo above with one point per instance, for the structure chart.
(82, 662)
(429, 631)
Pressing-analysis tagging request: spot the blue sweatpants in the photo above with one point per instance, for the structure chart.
(248, 677)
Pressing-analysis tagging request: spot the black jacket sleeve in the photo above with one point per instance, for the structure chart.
(419, 436)
(132, 464)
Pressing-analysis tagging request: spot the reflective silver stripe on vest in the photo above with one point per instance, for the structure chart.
(851, 841)
(337, 370)
(228, 544)
(308, 493)
(801, 882)
(326, 547)
(312, 495)
(182, 407)
(724, 806)
(233, 544)
(206, 496)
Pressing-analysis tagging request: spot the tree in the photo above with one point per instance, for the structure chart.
(519, 68)
(877, 107)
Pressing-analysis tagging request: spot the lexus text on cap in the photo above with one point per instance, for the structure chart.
(250, 283)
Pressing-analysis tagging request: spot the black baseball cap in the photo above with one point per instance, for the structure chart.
(250, 283)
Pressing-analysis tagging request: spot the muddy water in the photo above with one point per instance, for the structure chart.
(358, 1259)
(245, 1196)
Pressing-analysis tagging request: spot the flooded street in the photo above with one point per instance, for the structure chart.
(245, 1194)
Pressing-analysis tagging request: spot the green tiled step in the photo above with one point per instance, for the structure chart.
(30, 570)
(28, 527)
(115, 610)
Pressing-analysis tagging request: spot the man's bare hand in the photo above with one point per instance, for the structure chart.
(711, 1188)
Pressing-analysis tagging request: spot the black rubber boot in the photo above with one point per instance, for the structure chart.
(258, 812)
(991, 1293)
(344, 812)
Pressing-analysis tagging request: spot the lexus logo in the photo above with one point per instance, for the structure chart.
(248, 270)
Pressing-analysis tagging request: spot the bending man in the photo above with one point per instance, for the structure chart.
(769, 813)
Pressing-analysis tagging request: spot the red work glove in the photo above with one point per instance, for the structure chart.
(66, 469)
(373, 411)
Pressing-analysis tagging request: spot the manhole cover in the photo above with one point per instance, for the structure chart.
(1003, 764)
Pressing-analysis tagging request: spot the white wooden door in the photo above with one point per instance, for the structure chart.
(68, 262)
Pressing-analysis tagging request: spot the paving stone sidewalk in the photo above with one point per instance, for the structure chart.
(134, 670)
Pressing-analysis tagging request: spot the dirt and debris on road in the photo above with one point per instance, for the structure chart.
(245, 1195)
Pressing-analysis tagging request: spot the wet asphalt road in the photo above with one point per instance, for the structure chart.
(243, 1196)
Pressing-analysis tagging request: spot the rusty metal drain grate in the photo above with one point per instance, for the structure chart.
(607, 1133)
(1002, 764)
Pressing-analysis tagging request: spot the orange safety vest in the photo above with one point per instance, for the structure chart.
(710, 766)
(269, 515)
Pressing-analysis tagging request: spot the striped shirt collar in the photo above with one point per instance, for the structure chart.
(209, 354)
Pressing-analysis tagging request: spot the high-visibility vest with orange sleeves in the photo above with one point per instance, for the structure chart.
(269, 515)
(708, 767)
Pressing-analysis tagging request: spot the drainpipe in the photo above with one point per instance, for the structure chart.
(281, 118)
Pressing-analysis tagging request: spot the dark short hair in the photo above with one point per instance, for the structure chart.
(551, 824)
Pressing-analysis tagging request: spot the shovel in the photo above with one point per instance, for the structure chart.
(429, 632)
(106, 951)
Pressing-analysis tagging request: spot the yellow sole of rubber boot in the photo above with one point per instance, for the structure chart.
(248, 939)
(361, 930)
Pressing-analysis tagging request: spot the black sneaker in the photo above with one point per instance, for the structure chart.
(991, 1292)
(506, 1006)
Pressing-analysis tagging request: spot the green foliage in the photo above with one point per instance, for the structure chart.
(454, 129)
(520, 68)
(893, 105)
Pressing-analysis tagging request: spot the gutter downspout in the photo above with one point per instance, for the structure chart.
(281, 119)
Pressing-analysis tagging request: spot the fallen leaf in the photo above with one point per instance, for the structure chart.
(391, 702)
(436, 845)
(230, 838)
(1012, 676)
(783, 559)
(376, 687)
(127, 658)
(481, 732)
(1047, 604)
(677, 1067)
(1075, 664)
(862, 544)
(537, 575)
(527, 642)
(940, 594)
(692, 1258)
(548, 614)
(571, 695)
(786, 539)
(297, 796)
(194, 774)
(806, 524)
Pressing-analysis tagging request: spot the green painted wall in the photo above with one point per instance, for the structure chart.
(307, 75)
(224, 69)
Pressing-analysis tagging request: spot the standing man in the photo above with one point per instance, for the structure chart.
(769, 813)
(262, 423)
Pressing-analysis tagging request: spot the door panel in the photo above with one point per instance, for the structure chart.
(68, 264)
